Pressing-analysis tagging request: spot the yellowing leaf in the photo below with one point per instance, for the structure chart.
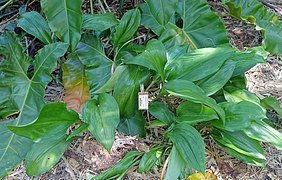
(200, 176)
(75, 83)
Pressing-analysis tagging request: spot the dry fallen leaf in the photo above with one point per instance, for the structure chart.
(200, 176)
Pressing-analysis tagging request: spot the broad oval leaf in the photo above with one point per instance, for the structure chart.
(189, 91)
(176, 164)
(241, 146)
(34, 24)
(214, 83)
(127, 27)
(154, 57)
(261, 131)
(189, 112)
(102, 115)
(190, 145)
(44, 154)
(162, 113)
(26, 95)
(54, 118)
(99, 22)
(65, 19)
(75, 83)
(162, 10)
(149, 159)
(90, 51)
(202, 27)
(239, 115)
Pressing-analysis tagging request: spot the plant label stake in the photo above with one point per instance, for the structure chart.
(143, 99)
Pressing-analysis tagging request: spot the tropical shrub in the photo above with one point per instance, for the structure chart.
(189, 58)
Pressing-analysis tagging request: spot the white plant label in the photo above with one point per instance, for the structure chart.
(143, 103)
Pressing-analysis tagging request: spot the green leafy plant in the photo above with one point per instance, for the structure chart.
(190, 58)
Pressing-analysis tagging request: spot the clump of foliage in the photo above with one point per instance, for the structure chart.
(190, 57)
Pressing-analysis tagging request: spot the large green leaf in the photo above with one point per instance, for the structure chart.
(198, 64)
(254, 12)
(190, 145)
(162, 10)
(65, 19)
(215, 82)
(189, 91)
(149, 159)
(154, 57)
(25, 95)
(201, 26)
(75, 83)
(261, 131)
(99, 22)
(239, 115)
(173, 36)
(34, 24)
(44, 154)
(54, 118)
(189, 112)
(119, 169)
(127, 88)
(241, 146)
(175, 165)
(102, 115)
(90, 51)
(149, 21)
(272, 104)
(133, 125)
(162, 113)
(127, 27)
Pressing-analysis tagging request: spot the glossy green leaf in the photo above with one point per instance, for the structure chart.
(214, 83)
(162, 10)
(189, 112)
(65, 19)
(44, 154)
(149, 159)
(190, 145)
(119, 169)
(234, 94)
(241, 146)
(102, 115)
(99, 22)
(189, 91)
(149, 21)
(154, 57)
(254, 12)
(90, 51)
(156, 123)
(133, 125)
(261, 131)
(75, 83)
(127, 88)
(162, 113)
(34, 24)
(53, 118)
(24, 95)
(272, 104)
(127, 27)
(175, 165)
(239, 115)
(198, 64)
(202, 27)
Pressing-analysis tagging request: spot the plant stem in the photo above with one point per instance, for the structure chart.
(102, 6)
(91, 6)
(7, 4)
